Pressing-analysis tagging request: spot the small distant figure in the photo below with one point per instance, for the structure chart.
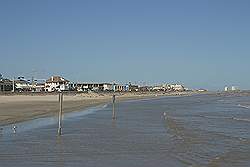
(14, 128)
(164, 115)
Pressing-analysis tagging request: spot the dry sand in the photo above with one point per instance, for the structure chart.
(18, 108)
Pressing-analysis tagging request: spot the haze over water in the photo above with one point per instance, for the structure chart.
(202, 130)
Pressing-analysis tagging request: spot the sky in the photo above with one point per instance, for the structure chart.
(198, 43)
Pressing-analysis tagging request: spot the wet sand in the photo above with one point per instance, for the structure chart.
(19, 108)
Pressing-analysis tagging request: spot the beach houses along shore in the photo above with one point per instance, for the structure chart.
(56, 83)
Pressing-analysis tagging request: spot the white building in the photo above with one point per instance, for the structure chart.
(235, 88)
(177, 87)
(23, 85)
(226, 89)
(158, 88)
(202, 90)
(56, 83)
(107, 87)
(91, 86)
(169, 87)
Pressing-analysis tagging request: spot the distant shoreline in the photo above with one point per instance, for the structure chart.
(19, 108)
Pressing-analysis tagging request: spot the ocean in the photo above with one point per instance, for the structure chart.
(201, 130)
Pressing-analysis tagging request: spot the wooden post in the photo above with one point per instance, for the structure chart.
(60, 114)
(113, 115)
(13, 84)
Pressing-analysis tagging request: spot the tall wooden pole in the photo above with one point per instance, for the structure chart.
(13, 85)
(60, 114)
(113, 100)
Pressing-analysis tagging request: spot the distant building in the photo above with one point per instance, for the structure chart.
(39, 87)
(5, 85)
(177, 87)
(158, 88)
(119, 88)
(226, 89)
(72, 86)
(202, 90)
(56, 83)
(133, 88)
(126, 88)
(23, 85)
(82, 87)
(107, 86)
(169, 87)
(235, 88)
(144, 88)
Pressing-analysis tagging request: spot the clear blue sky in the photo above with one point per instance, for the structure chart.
(200, 43)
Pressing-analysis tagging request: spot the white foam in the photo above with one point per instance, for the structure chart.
(241, 119)
(243, 106)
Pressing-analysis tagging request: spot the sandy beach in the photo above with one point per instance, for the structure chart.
(18, 108)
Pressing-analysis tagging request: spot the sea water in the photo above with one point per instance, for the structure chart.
(200, 130)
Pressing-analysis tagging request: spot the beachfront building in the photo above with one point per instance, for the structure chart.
(34, 85)
(158, 88)
(56, 83)
(235, 88)
(177, 87)
(226, 89)
(23, 85)
(119, 88)
(84, 87)
(145, 88)
(107, 87)
(72, 86)
(169, 87)
(133, 88)
(202, 90)
(39, 87)
(6, 85)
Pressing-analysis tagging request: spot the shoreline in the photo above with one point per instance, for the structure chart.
(20, 108)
